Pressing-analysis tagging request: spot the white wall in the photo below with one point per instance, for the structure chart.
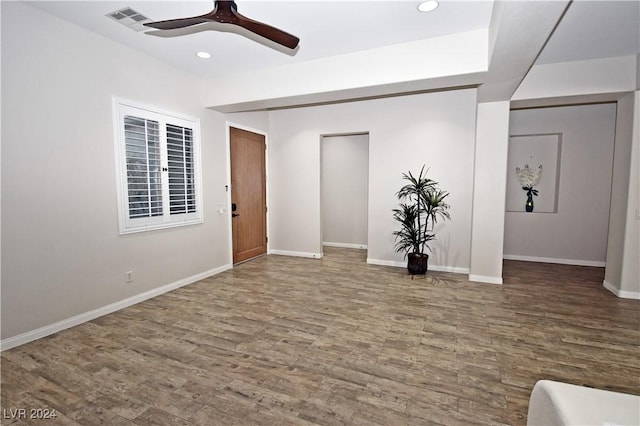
(619, 192)
(622, 274)
(638, 71)
(345, 190)
(630, 280)
(455, 60)
(577, 233)
(489, 192)
(62, 254)
(258, 120)
(436, 129)
(596, 76)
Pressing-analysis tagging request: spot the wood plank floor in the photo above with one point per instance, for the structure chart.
(283, 340)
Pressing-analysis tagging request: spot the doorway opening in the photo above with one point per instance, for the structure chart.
(345, 190)
(564, 224)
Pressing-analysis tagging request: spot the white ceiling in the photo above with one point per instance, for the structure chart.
(325, 28)
(595, 29)
(588, 30)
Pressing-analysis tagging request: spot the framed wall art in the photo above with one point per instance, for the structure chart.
(533, 173)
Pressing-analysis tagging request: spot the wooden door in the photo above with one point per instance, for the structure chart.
(248, 194)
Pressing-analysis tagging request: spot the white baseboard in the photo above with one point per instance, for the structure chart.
(453, 269)
(47, 330)
(485, 279)
(577, 262)
(621, 293)
(386, 263)
(296, 254)
(345, 245)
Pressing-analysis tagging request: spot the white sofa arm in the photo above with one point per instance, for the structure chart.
(559, 404)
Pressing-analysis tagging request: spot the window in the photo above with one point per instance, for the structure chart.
(158, 167)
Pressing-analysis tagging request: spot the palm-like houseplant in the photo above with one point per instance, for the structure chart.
(421, 205)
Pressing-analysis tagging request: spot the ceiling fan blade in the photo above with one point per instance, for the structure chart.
(223, 12)
(172, 24)
(267, 31)
(226, 12)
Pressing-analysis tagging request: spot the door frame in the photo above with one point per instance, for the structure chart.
(227, 210)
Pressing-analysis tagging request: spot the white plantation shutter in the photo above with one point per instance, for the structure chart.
(182, 197)
(158, 169)
(144, 179)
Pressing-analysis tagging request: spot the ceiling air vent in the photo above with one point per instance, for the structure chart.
(130, 18)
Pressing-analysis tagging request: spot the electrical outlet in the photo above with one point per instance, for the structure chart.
(129, 276)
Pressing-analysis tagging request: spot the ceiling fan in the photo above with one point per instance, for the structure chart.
(225, 17)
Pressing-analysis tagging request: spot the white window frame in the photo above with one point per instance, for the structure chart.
(127, 224)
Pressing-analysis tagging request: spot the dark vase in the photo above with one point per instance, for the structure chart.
(529, 206)
(417, 263)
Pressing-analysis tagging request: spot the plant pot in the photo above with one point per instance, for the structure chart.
(417, 263)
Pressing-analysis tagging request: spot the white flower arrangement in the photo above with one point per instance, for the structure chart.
(529, 177)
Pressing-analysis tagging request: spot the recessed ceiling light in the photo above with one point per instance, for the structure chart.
(203, 55)
(428, 6)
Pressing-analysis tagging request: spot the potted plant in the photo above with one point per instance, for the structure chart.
(422, 203)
